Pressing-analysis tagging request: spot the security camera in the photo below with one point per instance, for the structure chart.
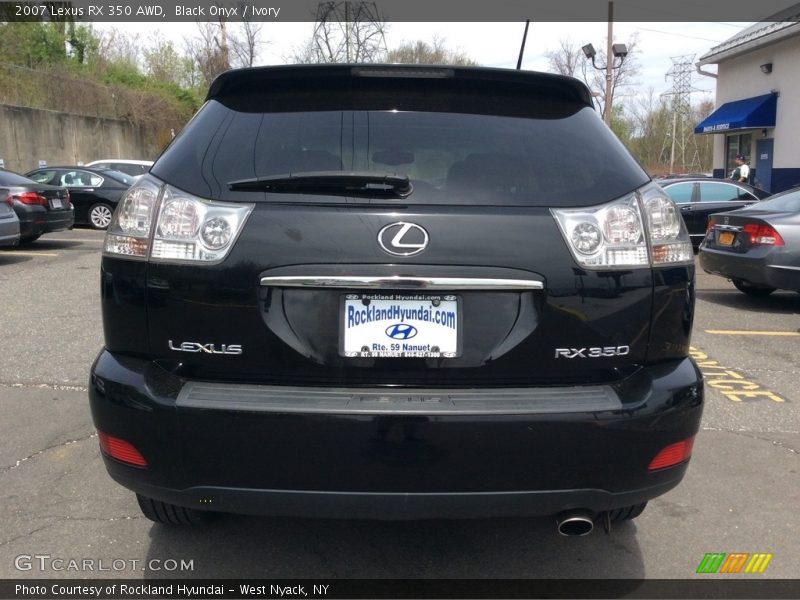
(619, 50)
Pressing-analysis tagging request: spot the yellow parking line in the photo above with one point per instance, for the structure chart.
(24, 253)
(736, 332)
(50, 239)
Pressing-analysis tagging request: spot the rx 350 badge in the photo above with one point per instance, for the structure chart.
(596, 352)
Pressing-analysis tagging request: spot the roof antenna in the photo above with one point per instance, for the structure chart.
(522, 49)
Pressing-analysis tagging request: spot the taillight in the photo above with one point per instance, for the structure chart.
(159, 222)
(66, 199)
(710, 226)
(639, 230)
(120, 450)
(30, 198)
(672, 455)
(763, 234)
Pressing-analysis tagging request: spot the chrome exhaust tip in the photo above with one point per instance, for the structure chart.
(575, 523)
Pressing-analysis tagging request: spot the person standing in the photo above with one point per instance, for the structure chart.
(742, 171)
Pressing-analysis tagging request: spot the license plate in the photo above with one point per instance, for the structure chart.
(57, 203)
(725, 238)
(400, 326)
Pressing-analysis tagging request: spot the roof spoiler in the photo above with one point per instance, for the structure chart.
(236, 79)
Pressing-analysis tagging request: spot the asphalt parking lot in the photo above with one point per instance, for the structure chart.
(741, 493)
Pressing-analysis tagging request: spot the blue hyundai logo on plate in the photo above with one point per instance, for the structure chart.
(401, 331)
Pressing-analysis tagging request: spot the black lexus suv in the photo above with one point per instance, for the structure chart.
(396, 292)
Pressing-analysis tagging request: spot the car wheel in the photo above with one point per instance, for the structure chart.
(169, 514)
(100, 216)
(627, 513)
(752, 290)
(29, 239)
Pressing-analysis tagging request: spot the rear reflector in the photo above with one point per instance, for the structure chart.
(120, 450)
(672, 455)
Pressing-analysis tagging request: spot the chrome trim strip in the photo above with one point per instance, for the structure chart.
(402, 283)
(783, 267)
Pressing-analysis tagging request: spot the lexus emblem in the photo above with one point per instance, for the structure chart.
(403, 239)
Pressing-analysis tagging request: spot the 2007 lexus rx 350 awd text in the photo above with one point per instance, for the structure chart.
(396, 292)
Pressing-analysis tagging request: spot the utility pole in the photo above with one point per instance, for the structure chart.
(609, 64)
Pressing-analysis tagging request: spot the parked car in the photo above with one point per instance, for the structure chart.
(758, 247)
(9, 224)
(94, 192)
(40, 208)
(698, 197)
(686, 175)
(134, 168)
(397, 292)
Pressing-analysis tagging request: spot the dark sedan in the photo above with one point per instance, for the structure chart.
(94, 192)
(758, 247)
(698, 197)
(40, 208)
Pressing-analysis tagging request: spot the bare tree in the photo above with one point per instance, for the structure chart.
(566, 59)
(114, 45)
(345, 31)
(245, 43)
(209, 50)
(420, 52)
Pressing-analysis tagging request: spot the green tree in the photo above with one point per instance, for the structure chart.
(163, 62)
(32, 45)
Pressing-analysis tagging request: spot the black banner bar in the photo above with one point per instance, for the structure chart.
(400, 10)
(730, 587)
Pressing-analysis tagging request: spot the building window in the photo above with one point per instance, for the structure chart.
(738, 143)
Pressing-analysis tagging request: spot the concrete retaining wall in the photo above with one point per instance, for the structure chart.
(28, 135)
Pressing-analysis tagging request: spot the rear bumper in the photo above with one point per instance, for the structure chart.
(377, 458)
(36, 220)
(762, 269)
(9, 232)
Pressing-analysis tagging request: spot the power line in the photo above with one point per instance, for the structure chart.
(683, 35)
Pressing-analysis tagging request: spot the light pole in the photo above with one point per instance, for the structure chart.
(618, 51)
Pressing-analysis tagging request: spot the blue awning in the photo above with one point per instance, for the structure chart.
(750, 113)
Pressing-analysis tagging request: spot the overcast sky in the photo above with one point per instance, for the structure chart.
(497, 44)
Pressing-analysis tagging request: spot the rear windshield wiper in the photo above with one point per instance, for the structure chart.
(339, 183)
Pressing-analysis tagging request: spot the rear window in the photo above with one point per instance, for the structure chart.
(9, 178)
(132, 170)
(541, 155)
(788, 201)
(43, 176)
(119, 176)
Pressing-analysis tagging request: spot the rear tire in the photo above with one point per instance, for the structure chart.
(752, 290)
(100, 215)
(627, 513)
(169, 514)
